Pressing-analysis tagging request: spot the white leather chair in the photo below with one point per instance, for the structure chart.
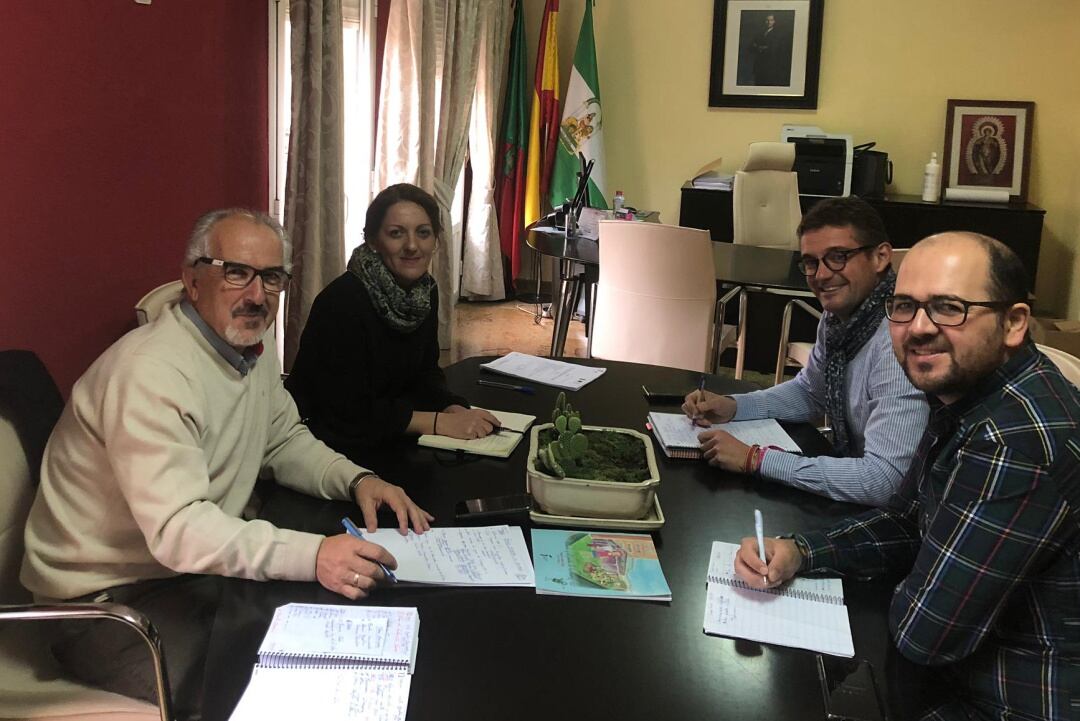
(766, 197)
(151, 304)
(31, 684)
(655, 301)
(1068, 364)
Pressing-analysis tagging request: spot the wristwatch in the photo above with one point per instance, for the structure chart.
(356, 482)
(804, 551)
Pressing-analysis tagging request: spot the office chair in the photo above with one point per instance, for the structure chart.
(31, 683)
(766, 197)
(150, 305)
(655, 300)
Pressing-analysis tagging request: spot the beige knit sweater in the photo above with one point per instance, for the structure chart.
(155, 456)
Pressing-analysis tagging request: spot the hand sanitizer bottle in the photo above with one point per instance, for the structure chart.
(618, 201)
(931, 184)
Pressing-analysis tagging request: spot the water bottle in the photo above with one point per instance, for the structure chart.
(618, 202)
(931, 189)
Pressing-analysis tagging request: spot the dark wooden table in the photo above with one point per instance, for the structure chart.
(509, 653)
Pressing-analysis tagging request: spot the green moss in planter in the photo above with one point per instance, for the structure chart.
(611, 456)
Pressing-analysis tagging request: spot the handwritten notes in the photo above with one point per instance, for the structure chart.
(317, 693)
(483, 556)
(676, 431)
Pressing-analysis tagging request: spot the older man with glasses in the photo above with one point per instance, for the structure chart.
(986, 526)
(852, 376)
(156, 455)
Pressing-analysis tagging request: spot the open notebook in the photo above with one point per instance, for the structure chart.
(803, 613)
(678, 436)
(500, 444)
(333, 662)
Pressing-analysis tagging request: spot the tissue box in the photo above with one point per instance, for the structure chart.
(1060, 333)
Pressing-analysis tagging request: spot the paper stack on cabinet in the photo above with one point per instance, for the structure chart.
(481, 556)
(803, 613)
(333, 662)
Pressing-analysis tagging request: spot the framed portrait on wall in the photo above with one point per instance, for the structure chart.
(988, 146)
(765, 53)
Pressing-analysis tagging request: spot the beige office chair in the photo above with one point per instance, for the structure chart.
(1068, 364)
(150, 305)
(766, 197)
(655, 301)
(31, 685)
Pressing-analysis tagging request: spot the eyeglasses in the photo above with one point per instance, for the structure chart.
(940, 310)
(834, 260)
(274, 280)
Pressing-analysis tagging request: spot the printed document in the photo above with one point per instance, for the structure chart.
(568, 376)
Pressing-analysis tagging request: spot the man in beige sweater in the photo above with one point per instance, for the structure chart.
(157, 452)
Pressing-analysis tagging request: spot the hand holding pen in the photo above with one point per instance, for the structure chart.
(355, 532)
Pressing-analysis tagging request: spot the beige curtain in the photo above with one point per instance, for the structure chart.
(429, 75)
(482, 274)
(314, 184)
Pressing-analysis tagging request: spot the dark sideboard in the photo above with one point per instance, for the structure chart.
(907, 218)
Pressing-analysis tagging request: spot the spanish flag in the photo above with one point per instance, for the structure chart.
(544, 120)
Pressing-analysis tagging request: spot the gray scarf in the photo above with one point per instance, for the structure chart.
(403, 309)
(842, 342)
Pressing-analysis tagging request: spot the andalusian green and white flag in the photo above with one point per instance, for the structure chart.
(581, 130)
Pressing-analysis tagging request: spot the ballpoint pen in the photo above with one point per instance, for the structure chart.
(355, 532)
(505, 386)
(700, 397)
(759, 530)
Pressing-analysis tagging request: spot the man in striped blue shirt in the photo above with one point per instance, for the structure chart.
(986, 525)
(852, 375)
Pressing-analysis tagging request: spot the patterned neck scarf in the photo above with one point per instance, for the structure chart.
(842, 342)
(403, 309)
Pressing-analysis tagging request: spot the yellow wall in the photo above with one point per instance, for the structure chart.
(887, 69)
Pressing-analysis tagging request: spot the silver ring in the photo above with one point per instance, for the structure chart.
(356, 580)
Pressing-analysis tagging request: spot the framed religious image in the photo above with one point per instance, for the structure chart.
(765, 53)
(988, 146)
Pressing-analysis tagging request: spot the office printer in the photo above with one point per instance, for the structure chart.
(822, 160)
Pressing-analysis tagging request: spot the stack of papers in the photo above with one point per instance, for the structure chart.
(678, 435)
(568, 376)
(598, 564)
(804, 613)
(481, 556)
(714, 180)
(500, 444)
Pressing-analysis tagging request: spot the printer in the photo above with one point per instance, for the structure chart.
(822, 160)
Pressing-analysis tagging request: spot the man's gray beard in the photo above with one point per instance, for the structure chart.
(243, 337)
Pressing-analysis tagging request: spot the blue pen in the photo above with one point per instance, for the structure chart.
(528, 390)
(353, 531)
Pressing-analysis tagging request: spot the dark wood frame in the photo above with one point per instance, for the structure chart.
(1028, 108)
(719, 99)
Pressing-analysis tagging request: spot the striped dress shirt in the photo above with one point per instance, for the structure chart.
(886, 416)
(990, 543)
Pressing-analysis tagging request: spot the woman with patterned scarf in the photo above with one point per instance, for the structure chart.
(367, 371)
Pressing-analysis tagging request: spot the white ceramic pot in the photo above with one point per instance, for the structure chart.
(591, 499)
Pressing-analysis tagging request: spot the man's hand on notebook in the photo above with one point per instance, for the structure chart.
(784, 561)
(723, 450)
(349, 566)
(705, 408)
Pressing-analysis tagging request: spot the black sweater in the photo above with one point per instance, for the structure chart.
(355, 379)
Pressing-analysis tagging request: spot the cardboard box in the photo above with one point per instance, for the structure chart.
(1059, 333)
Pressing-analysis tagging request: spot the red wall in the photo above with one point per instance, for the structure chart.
(120, 124)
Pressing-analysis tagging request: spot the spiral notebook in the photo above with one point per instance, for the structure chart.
(804, 613)
(333, 662)
(678, 436)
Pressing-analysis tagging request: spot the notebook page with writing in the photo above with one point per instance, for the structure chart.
(500, 444)
(807, 613)
(328, 694)
(675, 430)
(303, 634)
(480, 556)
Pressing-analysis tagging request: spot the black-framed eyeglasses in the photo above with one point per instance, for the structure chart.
(834, 260)
(941, 310)
(274, 280)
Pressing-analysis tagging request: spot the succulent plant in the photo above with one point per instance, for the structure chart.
(561, 456)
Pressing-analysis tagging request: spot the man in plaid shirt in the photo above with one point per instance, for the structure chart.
(987, 521)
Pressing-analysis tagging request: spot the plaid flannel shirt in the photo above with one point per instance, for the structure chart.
(990, 543)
